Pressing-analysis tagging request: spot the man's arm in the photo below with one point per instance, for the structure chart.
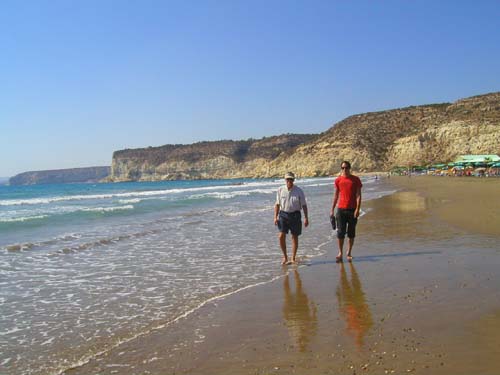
(277, 207)
(306, 215)
(335, 200)
(358, 202)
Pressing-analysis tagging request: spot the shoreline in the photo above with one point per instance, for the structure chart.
(403, 305)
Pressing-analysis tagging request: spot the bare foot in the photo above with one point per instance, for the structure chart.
(338, 258)
(284, 261)
(349, 258)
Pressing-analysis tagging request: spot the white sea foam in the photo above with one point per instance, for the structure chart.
(5, 361)
(232, 194)
(10, 331)
(108, 209)
(22, 219)
(47, 342)
(127, 201)
(245, 212)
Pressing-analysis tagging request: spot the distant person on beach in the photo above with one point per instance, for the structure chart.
(347, 199)
(290, 200)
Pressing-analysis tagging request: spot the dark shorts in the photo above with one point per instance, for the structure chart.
(346, 223)
(290, 221)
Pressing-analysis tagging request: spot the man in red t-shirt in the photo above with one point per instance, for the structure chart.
(347, 199)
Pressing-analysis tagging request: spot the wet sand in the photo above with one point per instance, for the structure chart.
(470, 203)
(421, 296)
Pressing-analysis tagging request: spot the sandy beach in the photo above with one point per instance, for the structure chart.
(421, 296)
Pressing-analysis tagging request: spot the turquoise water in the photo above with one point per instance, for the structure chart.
(85, 267)
(30, 209)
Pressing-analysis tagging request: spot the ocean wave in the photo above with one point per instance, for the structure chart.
(232, 194)
(30, 245)
(19, 247)
(127, 201)
(163, 192)
(22, 219)
(60, 241)
(245, 212)
(107, 209)
(105, 241)
(13, 217)
(133, 195)
(130, 194)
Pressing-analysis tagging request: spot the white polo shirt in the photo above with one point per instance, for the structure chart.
(290, 200)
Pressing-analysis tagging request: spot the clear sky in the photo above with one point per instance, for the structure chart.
(81, 79)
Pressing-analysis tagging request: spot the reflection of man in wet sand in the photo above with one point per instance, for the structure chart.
(353, 306)
(299, 313)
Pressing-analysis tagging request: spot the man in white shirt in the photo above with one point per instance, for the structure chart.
(290, 200)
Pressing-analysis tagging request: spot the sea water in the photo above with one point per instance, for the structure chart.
(85, 267)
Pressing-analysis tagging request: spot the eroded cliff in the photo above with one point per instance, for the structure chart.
(204, 160)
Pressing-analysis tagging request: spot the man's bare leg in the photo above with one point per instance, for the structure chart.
(295, 246)
(338, 258)
(351, 243)
(282, 238)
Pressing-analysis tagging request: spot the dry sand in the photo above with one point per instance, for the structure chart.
(422, 296)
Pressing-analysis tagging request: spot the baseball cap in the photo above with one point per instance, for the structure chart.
(289, 175)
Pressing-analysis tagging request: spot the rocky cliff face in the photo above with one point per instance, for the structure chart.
(376, 141)
(204, 160)
(60, 176)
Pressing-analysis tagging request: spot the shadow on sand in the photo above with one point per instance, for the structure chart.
(375, 258)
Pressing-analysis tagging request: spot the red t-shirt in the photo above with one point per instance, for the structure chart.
(347, 187)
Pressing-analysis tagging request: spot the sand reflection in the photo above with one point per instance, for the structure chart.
(299, 312)
(353, 306)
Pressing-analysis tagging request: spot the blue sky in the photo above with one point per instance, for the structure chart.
(81, 79)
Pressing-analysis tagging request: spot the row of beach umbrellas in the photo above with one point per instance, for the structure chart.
(450, 165)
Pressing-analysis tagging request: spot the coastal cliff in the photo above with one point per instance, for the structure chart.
(204, 160)
(375, 141)
(418, 135)
(61, 176)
